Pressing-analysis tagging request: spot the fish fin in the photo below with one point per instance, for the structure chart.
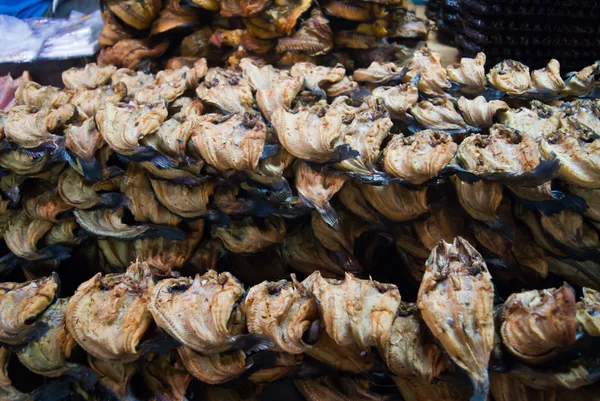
(282, 192)
(492, 94)
(114, 200)
(260, 360)
(53, 390)
(374, 178)
(9, 262)
(259, 207)
(170, 233)
(328, 214)
(57, 252)
(218, 218)
(39, 330)
(92, 169)
(343, 152)
(346, 261)
(161, 344)
(462, 173)
(82, 375)
(560, 202)
(359, 93)
(397, 76)
(269, 150)
(251, 343)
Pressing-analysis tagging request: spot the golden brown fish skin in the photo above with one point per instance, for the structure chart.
(376, 73)
(44, 203)
(285, 365)
(316, 188)
(438, 114)
(232, 142)
(48, 354)
(398, 100)
(396, 202)
(138, 14)
(352, 198)
(113, 375)
(283, 311)
(576, 374)
(342, 239)
(166, 377)
(345, 358)
(34, 95)
(130, 53)
(569, 229)
(108, 316)
(23, 235)
(503, 150)
(89, 101)
(22, 304)
(248, 237)
(548, 78)
(582, 83)
(314, 37)
(535, 123)
(443, 223)
(588, 312)
(349, 10)
(479, 112)
(528, 253)
(184, 201)
(355, 312)
(91, 76)
(578, 156)
(409, 351)
(510, 76)
(470, 73)
(504, 387)
(82, 194)
(420, 157)
(112, 31)
(213, 369)
(433, 79)
(226, 90)
(456, 300)
(341, 389)
(417, 389)
(480, 199)
(209, 327)
(537, 324)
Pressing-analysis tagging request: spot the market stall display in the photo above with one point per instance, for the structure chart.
(228, 225)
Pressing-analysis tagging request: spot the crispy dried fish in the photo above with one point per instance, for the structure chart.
(420, 157)
(548, 78)
(379, 73)
(438, 114)
(166, 377)
(409, 352)
(47, 355)
(470, 74)
(130, 53)
(577, 154)
(316, 188)
(184, 201)
(479, 112)
(504, 387)
(213, 369)
(284, 312)
(342, 239)
(588, 312)
(355, 312)
(279, 19)
(511, 77)
(456, 300)
(535, 123)
(314, 37)
(138, 14)
(353, 199)
(30, 128)
(433, 79)
(274, 88)
(583, 82)
(91, 76)
(416, 389)
(43, 202)
(216, 320)
(349, 358)
(235, 141)
(22, 304)
(395, 201)
(89, 101)
(569, 229)
(226, 90)
(82, 194)
(37, 96)
(250, 236)
(115, 376)
(122, 126)
(536, 325)
(326, 388)
(398, 100)
(577, 373)
(24, 234)
(109, 315)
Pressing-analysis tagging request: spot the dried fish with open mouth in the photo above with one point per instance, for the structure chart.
(316, 188)
(47, 355)
(469, 74)
(355, 312)
(22, 304)
(90, 77)
(250, 235)
(284, 312)
(231, 142)
(278, 19)
(456, 300)
(109, 315)
(204, 313)
(274, 88)
(133, 80)
(537, 324)
(420, 157)
(226, 90)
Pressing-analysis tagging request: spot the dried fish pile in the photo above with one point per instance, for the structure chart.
(175, 207)
(280, 32)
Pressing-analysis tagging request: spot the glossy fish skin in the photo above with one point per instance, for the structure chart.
(456, 299)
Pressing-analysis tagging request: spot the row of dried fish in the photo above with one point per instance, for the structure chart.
(285, 31)
(219, 329)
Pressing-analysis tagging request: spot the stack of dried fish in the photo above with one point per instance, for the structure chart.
(283, 32)
(474, 195)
